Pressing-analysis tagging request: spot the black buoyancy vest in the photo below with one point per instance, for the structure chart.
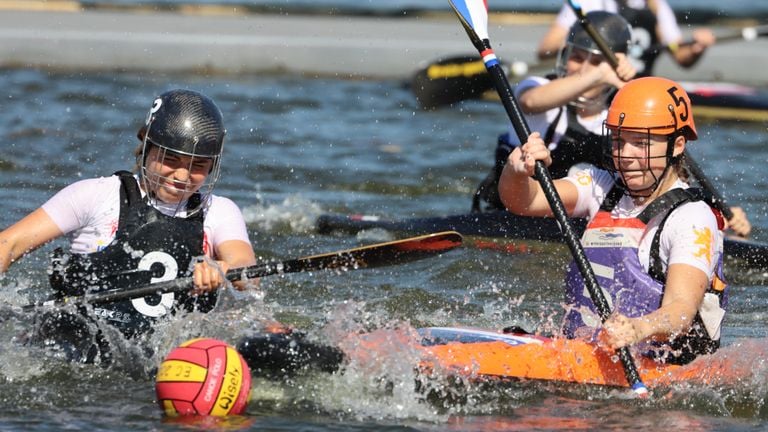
(577, 144)
(697, 341)
(644, 23)
(149, 247)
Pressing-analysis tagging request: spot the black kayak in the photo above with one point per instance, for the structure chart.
(505, 225)
(728, 100)
(463, 77)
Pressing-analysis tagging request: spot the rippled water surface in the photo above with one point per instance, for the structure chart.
(298, 148)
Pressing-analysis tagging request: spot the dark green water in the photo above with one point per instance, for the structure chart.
(298, 148)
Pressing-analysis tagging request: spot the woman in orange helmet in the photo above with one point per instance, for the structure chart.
(654, 242)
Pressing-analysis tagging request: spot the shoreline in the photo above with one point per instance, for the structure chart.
(60, 35)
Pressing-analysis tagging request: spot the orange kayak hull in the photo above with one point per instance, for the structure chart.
(483, 354)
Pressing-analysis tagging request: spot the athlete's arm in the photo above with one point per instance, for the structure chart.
(26, 235)
(237, 253)
(687, 55)
(557, 92)
(561, 91)
(693, 247)
(683, 294)
(668, 31)
(523, 195)
(739, 223)
(209, 275)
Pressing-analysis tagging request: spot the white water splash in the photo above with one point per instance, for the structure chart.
(296, 212)
(381, 383)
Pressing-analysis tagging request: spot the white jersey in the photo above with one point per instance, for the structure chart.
(88, 211)
(690, 236)
(542, 121)
(669, 31)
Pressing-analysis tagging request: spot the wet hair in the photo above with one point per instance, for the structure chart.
(137, 153)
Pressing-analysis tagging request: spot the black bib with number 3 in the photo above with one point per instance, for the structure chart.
(149, 247)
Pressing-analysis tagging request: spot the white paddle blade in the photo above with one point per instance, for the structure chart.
(473, 14)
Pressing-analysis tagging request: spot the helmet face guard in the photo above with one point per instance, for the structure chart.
(153, 180)
(615, 158)
(187, 130)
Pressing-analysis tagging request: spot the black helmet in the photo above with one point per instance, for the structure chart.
(612, 27)
(617, 34)
(185, 121)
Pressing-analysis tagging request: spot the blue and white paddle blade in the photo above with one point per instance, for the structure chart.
(576, 7)
(473, 14)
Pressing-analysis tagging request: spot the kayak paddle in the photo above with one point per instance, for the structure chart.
(743, 34)
(473, 15)
(693, 167)
(375, 255)
(592, 32)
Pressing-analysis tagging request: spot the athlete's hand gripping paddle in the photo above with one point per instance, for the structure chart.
(473, 15)
(375, 255)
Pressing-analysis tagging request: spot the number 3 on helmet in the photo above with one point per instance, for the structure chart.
(654, 105)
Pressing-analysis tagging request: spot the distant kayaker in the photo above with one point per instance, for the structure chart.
(568, 107)
(655, 244)
(132, 229)
(654, 30)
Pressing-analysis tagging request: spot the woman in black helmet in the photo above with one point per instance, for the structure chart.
(129, 230)
(568, 107)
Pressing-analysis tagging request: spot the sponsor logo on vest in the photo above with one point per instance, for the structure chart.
(610, 236)
(704, 241)
(111, 315)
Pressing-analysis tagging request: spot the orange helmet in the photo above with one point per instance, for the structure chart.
(653, 104)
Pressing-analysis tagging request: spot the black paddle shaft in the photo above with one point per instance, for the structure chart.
(375, 255)
(698, 174)
(541, 174)
(171, 286)
(556, 204)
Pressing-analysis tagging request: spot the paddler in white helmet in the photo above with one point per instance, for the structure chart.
(655, 243)
(128, 230)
